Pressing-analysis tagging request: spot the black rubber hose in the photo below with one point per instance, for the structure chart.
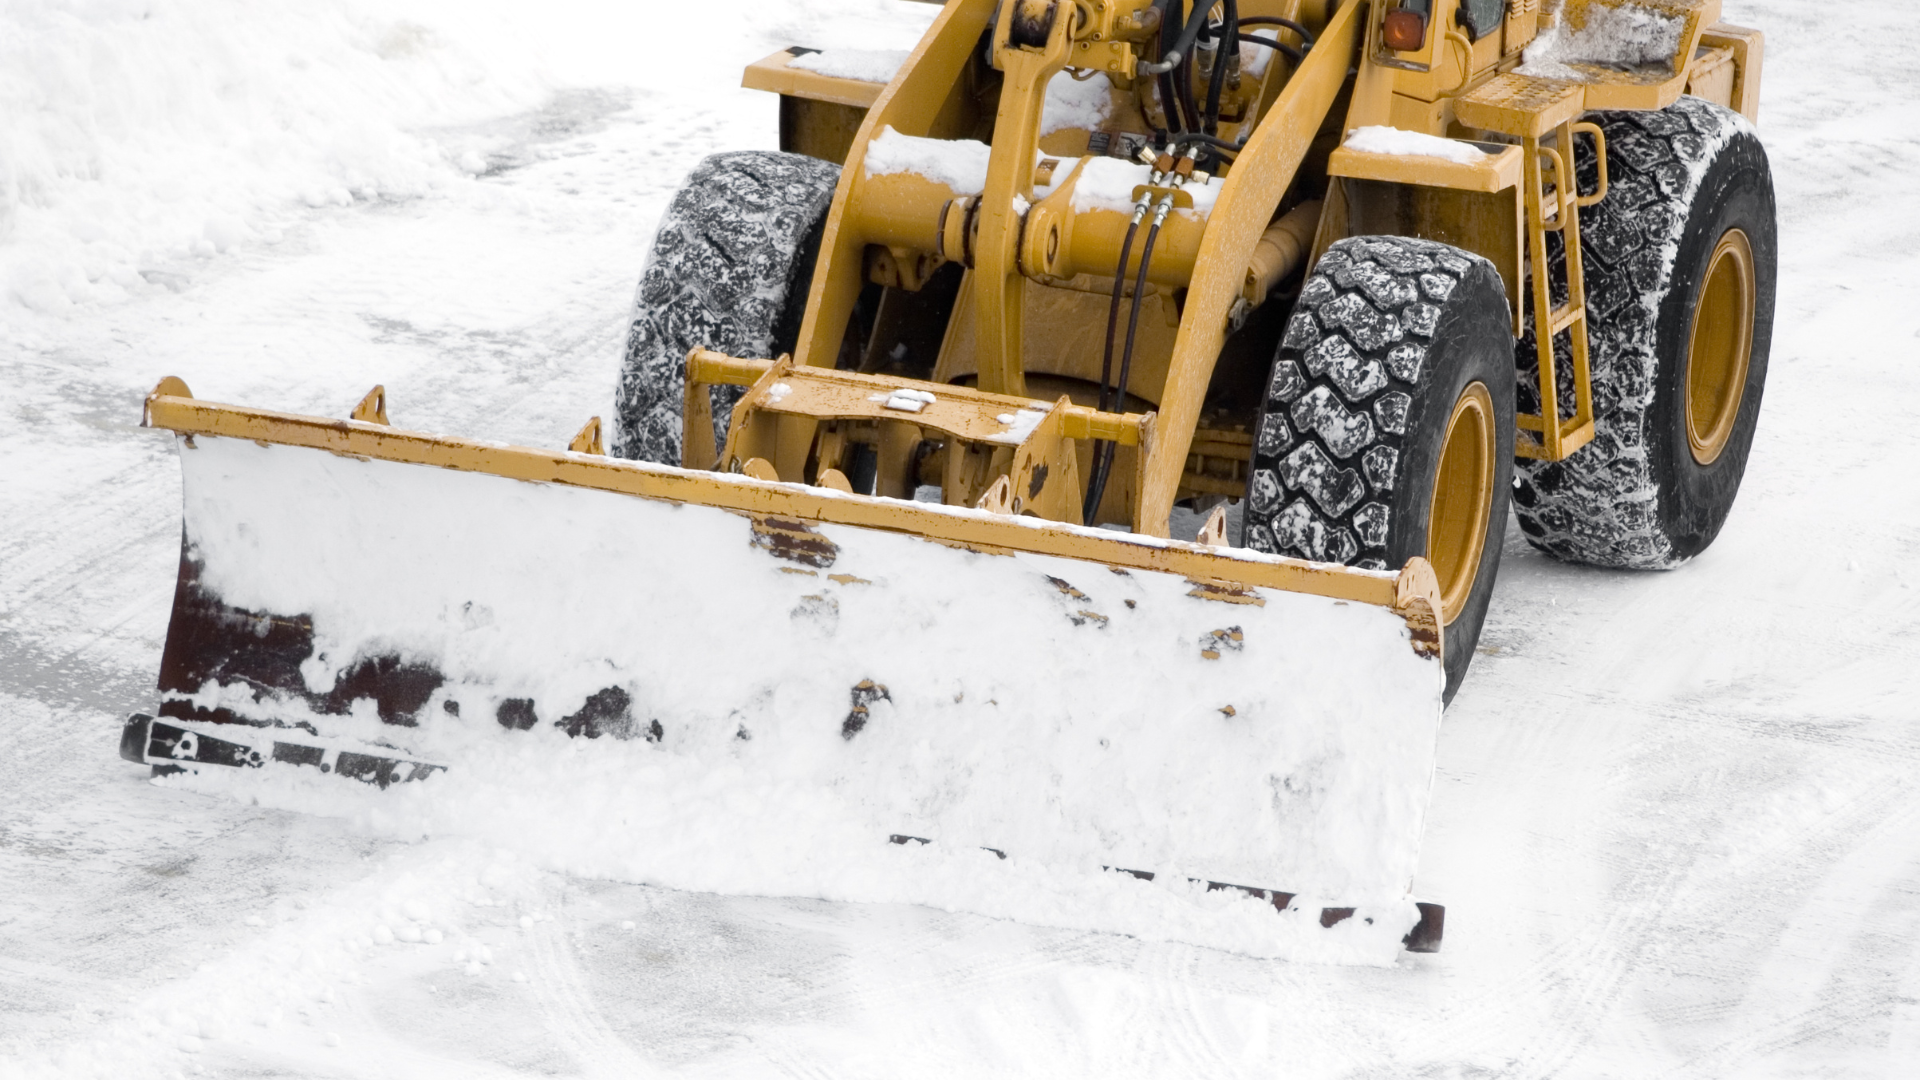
(1133, 315)
(1229, 38)
(1190, 33)
(1174, 49)
(1306, 36)
(1103, 453)
(1106, 357)
(1113, 313)
(1211, 140)
(1282, 47)
(1170, 102)
(1183, 85)
(1198, 117)
(1179, 53)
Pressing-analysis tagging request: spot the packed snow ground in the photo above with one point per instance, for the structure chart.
(1677, 820)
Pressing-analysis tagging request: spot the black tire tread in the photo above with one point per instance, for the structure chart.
(724, 262)
(1601, 506)
(1327, 446)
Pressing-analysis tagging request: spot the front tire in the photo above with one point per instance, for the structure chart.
(729, 271)
(1680, 267)
(1387, 427)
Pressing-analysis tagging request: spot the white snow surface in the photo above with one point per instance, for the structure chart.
(961, 164)
(1676, 822)
(1105, 183)
(1255, 58)
(1019, 425)
(1076, 103)
(1628, 34)
(904, 399)
(137, 132)
(865, 65)
(1108, 183)
(1402, 143)
(1070, 102)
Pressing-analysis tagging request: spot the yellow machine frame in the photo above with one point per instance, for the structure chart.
(1270, 217)
(1293, 190)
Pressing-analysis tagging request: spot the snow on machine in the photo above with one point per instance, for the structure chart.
(909, 405)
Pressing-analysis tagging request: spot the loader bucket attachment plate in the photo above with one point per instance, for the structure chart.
(1070, 695)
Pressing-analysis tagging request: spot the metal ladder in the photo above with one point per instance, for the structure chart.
(1544, 115)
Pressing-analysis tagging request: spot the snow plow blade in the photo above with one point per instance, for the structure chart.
(352, 594)
(178, 745)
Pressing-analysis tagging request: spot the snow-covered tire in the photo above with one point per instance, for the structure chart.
(1681, 181)
(1388, 342)
(729, 271)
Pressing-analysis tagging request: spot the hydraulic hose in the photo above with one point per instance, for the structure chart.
(1229, 38)
(1214, 141)
(1092, 499)
(1183, 86)
(1171, 103)
(1180, 45)
(1103, 452)
(1139, 290)
(1113, 313)
(1106, 357)
(1306, 36)
(1281, 47)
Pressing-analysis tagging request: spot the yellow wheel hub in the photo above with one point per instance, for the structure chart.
(1462, 499)
(1720, 348)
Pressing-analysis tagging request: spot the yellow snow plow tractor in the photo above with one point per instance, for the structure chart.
(930, 424)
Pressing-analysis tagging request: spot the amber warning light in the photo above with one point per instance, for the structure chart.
(1406, 31)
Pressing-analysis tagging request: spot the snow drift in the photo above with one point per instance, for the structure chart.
(136, 133)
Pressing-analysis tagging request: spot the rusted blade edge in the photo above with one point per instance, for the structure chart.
(1423, 938)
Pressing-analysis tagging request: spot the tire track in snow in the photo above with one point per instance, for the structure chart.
(1576, 984)
(954, 968)
(1794, 729)
(1575, 980)
(924, 969)
(1583, 980)
(1881, 866)
(1194, 1009)
(369, 1047)
(927, 970)
(1601, 965)
(1798, 913)
(566, 1004)
(779, 1052)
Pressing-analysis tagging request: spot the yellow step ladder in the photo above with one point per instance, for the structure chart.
(1544, 114)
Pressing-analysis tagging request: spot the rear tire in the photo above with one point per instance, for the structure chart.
(729, 271)
(1680, 264)
(1387, 427)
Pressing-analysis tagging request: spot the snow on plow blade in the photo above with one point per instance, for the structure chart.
(1084, 698)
